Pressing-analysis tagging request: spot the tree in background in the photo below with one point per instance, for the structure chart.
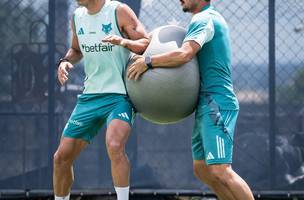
(293, 93)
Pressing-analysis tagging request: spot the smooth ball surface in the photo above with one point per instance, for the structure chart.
(166, 95)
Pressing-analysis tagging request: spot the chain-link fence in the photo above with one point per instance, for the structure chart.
(267, 43)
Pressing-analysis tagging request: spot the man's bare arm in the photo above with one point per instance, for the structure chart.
(166, 60)
(177, 57)
(135, 37)
(73, 56)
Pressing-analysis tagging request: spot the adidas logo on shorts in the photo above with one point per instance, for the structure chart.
(210, 156)
(124, 115)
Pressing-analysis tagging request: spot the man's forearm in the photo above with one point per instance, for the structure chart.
(170, 59)
(136, 46)
(73, 55)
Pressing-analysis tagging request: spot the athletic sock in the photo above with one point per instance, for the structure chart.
(63, 198)
(122, 193)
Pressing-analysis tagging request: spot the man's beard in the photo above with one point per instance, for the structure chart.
(186, 9)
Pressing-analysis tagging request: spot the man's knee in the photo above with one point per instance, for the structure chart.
(60, 158)
(68, 151)
(115, 145)
(57, 159)
(116, 141)
(221, 173)
(200, 171)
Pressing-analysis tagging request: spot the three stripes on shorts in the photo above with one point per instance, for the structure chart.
(123, 115)
(220, 147)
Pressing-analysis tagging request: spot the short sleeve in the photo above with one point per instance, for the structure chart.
(200, 30)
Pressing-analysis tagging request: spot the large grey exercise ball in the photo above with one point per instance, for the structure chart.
(166, 95)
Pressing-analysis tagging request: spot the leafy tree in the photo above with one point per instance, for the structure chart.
(293, 94)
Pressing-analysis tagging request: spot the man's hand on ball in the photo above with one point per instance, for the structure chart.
(114, 39)
(137, 68)
(62, 72)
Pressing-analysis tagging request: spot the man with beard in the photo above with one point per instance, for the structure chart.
(217, 110)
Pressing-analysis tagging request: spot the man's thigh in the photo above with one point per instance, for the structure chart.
(213, 134)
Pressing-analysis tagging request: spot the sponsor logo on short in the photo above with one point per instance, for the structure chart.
(75, 122)
(124, 115)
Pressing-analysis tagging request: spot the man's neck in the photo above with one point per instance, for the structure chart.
(95, 6)
(201, 6)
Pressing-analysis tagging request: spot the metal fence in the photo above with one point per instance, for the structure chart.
(267, 41)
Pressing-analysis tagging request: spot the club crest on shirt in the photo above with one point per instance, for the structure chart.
(106, 28)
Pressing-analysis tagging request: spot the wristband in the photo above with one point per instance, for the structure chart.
(62, 60)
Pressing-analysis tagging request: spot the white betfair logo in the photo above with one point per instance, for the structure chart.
(123, 115)
(220, 147)
(210, 156)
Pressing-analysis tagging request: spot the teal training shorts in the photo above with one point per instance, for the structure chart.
(93, 110)
(212, 136)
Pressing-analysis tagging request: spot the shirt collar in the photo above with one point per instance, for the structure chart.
(206, 7)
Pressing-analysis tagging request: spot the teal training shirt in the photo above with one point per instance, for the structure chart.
(104, 63)
(210, 30)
